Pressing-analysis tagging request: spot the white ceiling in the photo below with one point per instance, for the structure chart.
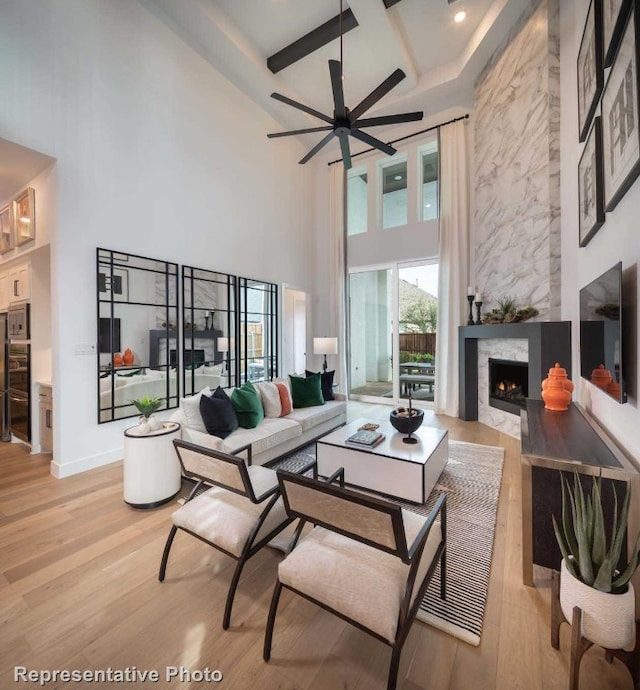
(440, 57)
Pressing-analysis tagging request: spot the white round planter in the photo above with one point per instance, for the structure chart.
(608, 620)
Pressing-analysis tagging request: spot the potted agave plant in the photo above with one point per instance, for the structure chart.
(591, 576)
(147, 406)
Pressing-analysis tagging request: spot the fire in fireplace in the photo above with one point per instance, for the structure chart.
(508, 385)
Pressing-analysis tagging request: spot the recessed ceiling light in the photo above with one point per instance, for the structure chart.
(460, 16)
(398, 177)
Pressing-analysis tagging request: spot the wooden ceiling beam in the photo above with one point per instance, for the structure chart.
(315, 39)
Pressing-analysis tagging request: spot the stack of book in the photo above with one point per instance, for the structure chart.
(365, 439)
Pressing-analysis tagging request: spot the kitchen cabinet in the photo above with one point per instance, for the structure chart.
(19, 283)
(46, 418)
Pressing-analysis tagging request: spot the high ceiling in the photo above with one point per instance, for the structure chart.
(440, 57)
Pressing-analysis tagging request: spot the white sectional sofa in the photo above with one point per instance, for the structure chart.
(274, 436)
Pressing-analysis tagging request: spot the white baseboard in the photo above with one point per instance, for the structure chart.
(66, 469)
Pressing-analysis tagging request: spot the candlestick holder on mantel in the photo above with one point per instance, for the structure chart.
(478, 312)
(470, 321)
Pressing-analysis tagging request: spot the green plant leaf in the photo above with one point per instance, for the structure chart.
(584, 552)
(631, 567)
(616, 547)
(599, 548)
(567, 525)
(603, 579)
(569, 562)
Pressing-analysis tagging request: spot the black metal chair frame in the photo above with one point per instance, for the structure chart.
(250, 548)
(409, 555)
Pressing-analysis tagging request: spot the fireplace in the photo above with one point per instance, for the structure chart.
(508, 385)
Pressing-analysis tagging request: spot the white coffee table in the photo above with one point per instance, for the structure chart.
(393, 468)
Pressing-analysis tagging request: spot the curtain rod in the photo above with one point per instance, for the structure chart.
(408, 136)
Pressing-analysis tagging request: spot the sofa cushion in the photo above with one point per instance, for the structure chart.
(191, 409)
(326, 383)
(218, 414)
(306, 392)
(270, 398)
(269, 433)
(247, 405)
(309, 417)
(285, 398)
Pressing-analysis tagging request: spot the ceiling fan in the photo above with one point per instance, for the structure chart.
(345, 122)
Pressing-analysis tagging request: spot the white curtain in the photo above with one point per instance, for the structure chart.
(454, 263)
(337, 318)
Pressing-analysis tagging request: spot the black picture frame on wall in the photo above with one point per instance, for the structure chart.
(614, 14)
(591, 215)
(590, 68)
(620, 122)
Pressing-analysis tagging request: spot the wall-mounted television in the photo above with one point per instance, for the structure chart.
(601, 356)
(104, 341)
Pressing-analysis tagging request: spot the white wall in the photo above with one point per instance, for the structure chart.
(157, 155)
(617, 240)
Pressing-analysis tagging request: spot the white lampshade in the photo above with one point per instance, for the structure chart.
(325, 346)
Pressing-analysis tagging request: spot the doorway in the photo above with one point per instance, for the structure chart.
(294, 331)
(392, 332)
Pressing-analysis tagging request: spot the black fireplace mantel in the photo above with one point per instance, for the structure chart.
(549, 342)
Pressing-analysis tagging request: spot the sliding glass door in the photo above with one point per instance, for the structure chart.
(392, 331)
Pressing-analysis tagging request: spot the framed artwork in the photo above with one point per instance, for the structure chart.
(24, 217)
(6, 231)
(591, 213)
(620, 136)
(119, 286)
(614, 13)
(590, 69)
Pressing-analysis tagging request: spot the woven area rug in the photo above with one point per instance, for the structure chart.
(471, 481)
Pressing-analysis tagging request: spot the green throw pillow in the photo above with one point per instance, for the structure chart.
(306, 392)
(247, 405)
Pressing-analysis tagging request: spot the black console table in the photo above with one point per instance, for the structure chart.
(566, 441)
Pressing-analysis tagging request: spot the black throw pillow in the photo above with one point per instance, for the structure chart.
(326, 383)
(218, 414)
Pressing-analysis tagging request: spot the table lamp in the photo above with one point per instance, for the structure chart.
(325, 346)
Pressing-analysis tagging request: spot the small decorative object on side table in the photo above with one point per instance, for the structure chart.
(478, 302)
(152, 474)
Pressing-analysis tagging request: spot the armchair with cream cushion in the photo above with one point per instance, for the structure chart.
(366, 560)
(238, 515)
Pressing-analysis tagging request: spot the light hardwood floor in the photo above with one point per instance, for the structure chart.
(79, 590)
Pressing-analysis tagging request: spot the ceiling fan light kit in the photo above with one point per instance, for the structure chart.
(345, 122)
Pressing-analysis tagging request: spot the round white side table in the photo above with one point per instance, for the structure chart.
(152, 474)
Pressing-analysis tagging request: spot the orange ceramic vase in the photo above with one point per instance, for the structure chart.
(557, 389)
(127, 358)
(117, 360)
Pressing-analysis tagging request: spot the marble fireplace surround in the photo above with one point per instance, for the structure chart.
(542, 344)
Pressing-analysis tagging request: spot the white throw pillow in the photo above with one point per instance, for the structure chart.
(270, 398)
(191, 408)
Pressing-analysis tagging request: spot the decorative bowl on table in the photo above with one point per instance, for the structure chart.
(402, 422)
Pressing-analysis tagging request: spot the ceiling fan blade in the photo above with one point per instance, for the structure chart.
(372, 141)
(346, 152)
(335, 70)
(387, 120)
(389, 83)
(298, 131)
(300, 106)
(317, 147)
